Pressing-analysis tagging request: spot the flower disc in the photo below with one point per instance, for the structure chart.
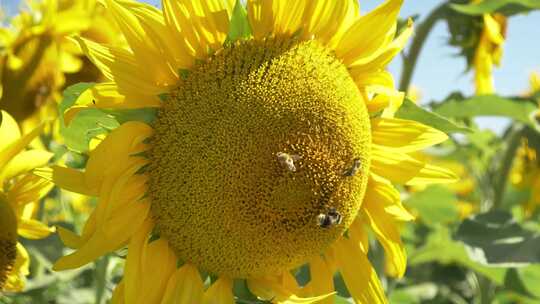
(8, 240)
(253, 149)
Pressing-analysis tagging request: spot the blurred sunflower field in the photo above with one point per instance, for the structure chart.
(269, 151)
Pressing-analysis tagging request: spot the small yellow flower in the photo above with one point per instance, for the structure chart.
(489, 52)
(20, 193)
(38, 60)
(264, 152)
(534, 80)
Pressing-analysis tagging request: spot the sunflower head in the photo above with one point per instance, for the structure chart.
(8, 240)
(248, 204)
(489, 52)
(267, 153)
(20, 191)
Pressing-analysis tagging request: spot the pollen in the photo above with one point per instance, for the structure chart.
(220, 192)
(8, 240)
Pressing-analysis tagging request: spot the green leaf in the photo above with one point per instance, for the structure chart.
(409, 110)
(92, 122)
(146, 115)
(513, 282)
(76, 135)
(341, 300)
(435, 205)
(70, 96)
(86, 125)
(489, 105)
(530, 278)
(438, 242)
(494, 238)
(508, 7)
(239, 27)
(414, 294)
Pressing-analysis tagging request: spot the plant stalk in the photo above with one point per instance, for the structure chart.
(409, 61)
(514, 139)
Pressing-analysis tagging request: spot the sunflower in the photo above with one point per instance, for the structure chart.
(526, 168)
(19, 197)
(38, 60)
(489, 51)
(270, 151)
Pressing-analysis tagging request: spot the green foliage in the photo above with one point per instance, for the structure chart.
(239, 27)
(508, 7)
(92, 122)
(494, 238)
(435, 205)
(409, 110)
(520, 110)
(440, 248)
(86, 125)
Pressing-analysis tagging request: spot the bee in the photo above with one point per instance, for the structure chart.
(354, 169)
(331, 218)
(287, 160)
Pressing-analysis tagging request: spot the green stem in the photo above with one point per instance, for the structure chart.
(409, 62)
(514, 139)
(485, 289)
(101, 278)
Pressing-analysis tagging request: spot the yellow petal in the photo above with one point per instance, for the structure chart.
(324, 18)
(279, 17)
(9, 151)
(493, 29)
(30, 188)
(119, 66)
(322, 280)
(132, 270)
(119, 145)
(288, 16)
(358, 234)
(32, 229)
(25, 162)
(404, 135)
(185, 287)
(379, 78)
(212, 19)
(9, 130)
(118, 294)
(381, 191)
(108, 95)
(328, 20)
(69, 238)
(359, 276)
(176, 54)
(370, 32)
(403, 169)
(220, 292)
(158, 263)
(383, 56)
(101, 242)
(142, 43)
(272, 289)
(387, 233)
(68, 179)
(261, 17)
(179, 21)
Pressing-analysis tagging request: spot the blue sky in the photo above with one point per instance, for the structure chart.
(439, 72)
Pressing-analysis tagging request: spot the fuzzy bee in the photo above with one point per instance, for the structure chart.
(354, 168)
(331, 218)
(287, 160)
